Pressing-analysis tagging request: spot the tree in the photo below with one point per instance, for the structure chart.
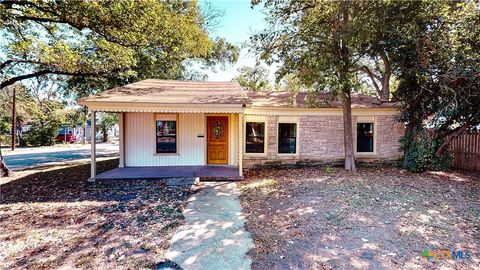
(50, 114)
(107, 121)
(113, 42)
(24, 105)
(439, 80)
(322, 43)
(253, 78)
(92, 38)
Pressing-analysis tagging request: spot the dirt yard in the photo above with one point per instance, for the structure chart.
(50, 218)
(376, 219)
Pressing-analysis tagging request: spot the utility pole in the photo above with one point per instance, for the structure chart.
(14, 121)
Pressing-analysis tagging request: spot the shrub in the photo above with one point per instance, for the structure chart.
(420, 154)
(42, 134)
(5, 139)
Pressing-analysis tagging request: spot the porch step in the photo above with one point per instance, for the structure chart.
(221, 178)
(183, 181)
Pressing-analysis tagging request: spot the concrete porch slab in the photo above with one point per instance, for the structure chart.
(205, 173)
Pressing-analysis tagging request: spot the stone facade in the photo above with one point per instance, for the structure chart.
(320, 141)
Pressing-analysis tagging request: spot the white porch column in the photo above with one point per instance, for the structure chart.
(121, 139)
(240, 144)
(93, 168)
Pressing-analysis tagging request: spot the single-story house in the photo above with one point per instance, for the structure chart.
(170, 124)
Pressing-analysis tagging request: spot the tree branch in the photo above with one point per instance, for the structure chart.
(373, 77)
(44, 72)
(385, 95)
(15, 61)
(459, 131)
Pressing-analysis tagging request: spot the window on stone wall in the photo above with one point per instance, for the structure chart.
(255, 137)
(166, 137)
(365, 137)
(287, 138)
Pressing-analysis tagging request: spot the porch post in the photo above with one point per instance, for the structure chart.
(121, 139)
(93, 154)
(240, 144)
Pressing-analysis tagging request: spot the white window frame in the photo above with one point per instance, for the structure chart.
(166, 117)
(366, 120)
(255, 119)
(289, 120)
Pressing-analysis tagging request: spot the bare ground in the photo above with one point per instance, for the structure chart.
(375, 219)
(50, 218)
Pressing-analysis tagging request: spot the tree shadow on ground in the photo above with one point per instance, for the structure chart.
(67, 184)
(376, 219)
(54, 218)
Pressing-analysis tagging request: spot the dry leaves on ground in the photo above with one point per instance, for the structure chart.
(53, 218)
(375, 219)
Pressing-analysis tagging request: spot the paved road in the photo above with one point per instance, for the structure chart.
(32, 157)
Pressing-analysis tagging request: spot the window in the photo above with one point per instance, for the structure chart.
(166, 136)
(255, 137)
(365, 137)
(287, 138)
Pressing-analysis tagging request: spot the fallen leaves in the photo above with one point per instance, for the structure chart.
(53, 218)
(359, 217)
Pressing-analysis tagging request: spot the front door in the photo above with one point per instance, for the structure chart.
(217, 139)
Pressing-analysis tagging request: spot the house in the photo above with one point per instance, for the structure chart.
(185, 124)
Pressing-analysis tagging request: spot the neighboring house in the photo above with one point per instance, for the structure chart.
(178, 123)
(113, 131)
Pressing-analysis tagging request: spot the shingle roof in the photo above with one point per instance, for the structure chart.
(302, 100)
(199, 92)
(173, 92)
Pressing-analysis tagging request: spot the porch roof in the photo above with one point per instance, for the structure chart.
(154, 95)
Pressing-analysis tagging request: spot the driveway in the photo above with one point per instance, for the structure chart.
(34, 157)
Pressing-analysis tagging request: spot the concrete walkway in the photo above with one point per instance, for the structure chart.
(213, 236)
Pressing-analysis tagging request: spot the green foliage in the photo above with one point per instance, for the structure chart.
(330, 170)
(106, 121)
(50, 115)
(24, 107)
(5, 139)
(421, 153)
(439, 77)
(253, 78)
(107, 42)
(42, 133)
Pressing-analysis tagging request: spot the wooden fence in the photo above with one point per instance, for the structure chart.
(466, 152)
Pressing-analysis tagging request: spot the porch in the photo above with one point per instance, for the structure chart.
(174, 129)
(204, 173)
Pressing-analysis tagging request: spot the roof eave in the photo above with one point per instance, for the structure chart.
(162, 107)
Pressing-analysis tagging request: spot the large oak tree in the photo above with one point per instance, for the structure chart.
(323, 43)
(110, 41)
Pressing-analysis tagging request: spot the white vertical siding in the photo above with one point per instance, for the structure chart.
(233, 158)
(140, 141)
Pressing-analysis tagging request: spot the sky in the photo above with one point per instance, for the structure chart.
(239, 22)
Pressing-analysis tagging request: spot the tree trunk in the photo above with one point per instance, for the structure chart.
(411, 130)
(4, 170)
(385, 94)
(348, 134)
(14, 120)
(346, 95)
(84, 135)
(105, 134)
